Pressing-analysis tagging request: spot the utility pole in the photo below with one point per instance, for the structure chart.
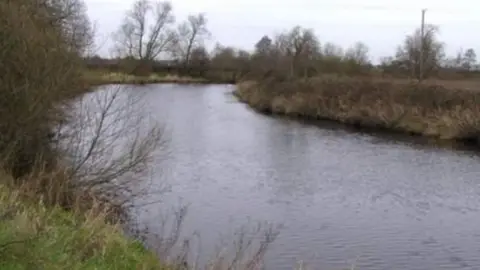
(422, 37)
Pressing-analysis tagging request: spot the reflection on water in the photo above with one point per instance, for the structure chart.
(342, 197)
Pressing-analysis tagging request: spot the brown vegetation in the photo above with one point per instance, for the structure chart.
(54, 162)
(49, 130)
(57, 145)
(95, 78)
(29, 88)
(425, 109)
(294, 74)
(71, 162)
(160, 46)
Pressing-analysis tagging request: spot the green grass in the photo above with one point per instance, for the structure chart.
(33, 236)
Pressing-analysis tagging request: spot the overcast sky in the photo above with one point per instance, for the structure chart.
(382, 25)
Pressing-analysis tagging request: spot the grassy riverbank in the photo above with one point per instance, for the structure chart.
(43, 223)
(99, 78)
(33, 235)
(63, 158)
(429, 109)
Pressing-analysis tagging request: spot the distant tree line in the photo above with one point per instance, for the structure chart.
(150, 40)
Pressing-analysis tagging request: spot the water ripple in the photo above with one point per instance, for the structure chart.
(344, 198)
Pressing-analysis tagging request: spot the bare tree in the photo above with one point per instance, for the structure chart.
(264, 46)
(464, 60)
(223, 58)
(356, 60)
(469, 59)
(264, 57)
(190, 35)
(199, 56)
(37, 73)
(457, 61)
(243, 61)
(433, 51)
(358, 54)
(332, 50)
(109, 141)
(299, 47)
(70, 18)
(98, 144)
(330, 58)
(141, 39)
(200, 60)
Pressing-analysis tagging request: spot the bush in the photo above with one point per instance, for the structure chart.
(51, 135)
(38, 72)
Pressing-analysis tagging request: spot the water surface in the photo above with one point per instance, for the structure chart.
(342, 197)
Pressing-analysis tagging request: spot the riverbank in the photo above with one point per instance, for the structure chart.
(100, 78)
(95, 78)
(47, 237)
(429, 109)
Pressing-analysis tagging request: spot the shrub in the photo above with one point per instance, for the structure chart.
(38, 71)
(49, 135)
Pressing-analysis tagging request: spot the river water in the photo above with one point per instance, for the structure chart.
(341, 197)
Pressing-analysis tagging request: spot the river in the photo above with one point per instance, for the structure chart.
(341, 197)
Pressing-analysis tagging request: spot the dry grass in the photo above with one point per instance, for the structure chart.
(99, 78)
(429, 109)
(465, 84)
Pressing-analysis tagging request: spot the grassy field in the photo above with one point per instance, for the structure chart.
(33, 236)
(442, 109)
(99, 77)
